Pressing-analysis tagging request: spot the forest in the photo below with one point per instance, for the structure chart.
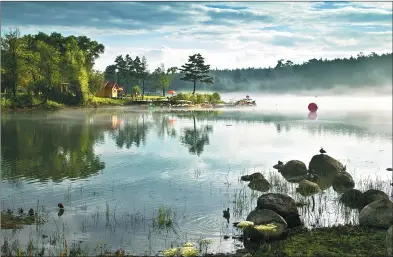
(60, 68)
(357, 72)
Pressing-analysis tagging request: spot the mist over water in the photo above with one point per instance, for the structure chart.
(374, 111)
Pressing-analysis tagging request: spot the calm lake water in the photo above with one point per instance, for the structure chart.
(113, 168)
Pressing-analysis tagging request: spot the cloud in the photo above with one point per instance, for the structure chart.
(229, 35)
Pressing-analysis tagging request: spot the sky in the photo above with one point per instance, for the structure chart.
(228, 34)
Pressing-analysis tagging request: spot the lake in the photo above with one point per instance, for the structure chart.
(117, 169)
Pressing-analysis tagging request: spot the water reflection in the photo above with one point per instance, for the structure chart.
(62, 146)
(37, 150)
(196, 138)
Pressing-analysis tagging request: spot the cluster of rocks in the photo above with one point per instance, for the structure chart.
(376, 210)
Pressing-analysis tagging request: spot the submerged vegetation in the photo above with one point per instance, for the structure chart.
(164, 219)
(11, 221)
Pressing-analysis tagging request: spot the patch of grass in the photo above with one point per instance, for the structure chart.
(164, 218)
(97, 101)
(9, 221)
(52, 105)
(332, 241)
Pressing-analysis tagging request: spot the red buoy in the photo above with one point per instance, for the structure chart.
(312, 107)
(312, 116)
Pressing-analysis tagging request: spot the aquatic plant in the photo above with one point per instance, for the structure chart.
(245, 224)
(170, 252)
(189, 251)
(164, 218)
(267, 229)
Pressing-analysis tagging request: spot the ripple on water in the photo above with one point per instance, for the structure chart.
(204, 225)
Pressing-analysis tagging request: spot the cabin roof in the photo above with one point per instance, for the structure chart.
(111, 84)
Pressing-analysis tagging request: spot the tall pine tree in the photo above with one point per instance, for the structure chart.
(196, 70)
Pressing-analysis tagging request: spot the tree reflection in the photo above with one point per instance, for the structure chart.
(195, 139)
(164, 126)
(133, 132)
(38, 150)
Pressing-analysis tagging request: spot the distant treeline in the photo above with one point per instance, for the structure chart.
(360, 71)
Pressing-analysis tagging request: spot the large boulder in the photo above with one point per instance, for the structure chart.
(256, 175)
(342, 182)
(307, 188)
(261, 185)
(389, 241)
(324, 181)
(351, 198)
(370, 196)
(324, 165)
(294, 168)
(378, 214)
(281, 204)
(268, 218)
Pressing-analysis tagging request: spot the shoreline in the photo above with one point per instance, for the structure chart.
(335, 241)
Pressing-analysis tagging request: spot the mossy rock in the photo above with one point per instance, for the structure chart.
(378, 214)
(370, 196)
(307, 188)
(294, 168)
(265, 217)
(256, 175)
(283, 205)
(261, 185)
(351, 198)
(342, 182)
(324, 165)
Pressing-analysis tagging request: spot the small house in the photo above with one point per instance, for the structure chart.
(110, 90)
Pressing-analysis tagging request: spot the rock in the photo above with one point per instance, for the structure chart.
(281, 204)
(261, 185)
(342, 182)
(351, 198)
(378, 214)
(389, 241)
(265, 217)
(256, 175)
(324, 181)
(278, 166)
(293, 178)
(307, 188)
(370, 196)
(324, 165)
(294, 168)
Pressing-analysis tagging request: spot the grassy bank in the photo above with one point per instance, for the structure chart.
(347, 241)
(25, 102)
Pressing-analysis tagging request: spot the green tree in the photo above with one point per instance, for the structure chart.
(92, 50)
(32, 60)
(196, 70)
(143, 73)
(49, 64)
(96, 81)
(12, 48)
(162, 78)
(136, 90)
(75, 64)
(122, 69)
(111, 73)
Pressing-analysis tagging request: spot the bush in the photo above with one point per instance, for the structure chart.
(198, 98)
